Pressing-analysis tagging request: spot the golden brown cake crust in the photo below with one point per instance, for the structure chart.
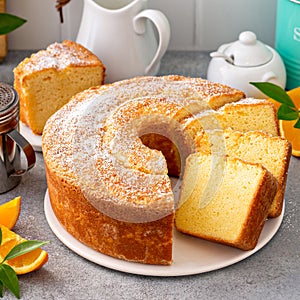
(149, 243)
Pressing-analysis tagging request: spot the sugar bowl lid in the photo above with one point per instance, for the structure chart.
(248, 51)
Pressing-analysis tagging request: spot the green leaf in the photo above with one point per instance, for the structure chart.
(9, 23)
(1, 289)
(287, 113)
(23, 248)
(297, 125)
(275, 92)
(9, 279)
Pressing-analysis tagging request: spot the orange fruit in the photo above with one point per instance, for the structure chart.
(9, 212)
(25, 263)
(295, 95)
(292, 134)
(286, 128)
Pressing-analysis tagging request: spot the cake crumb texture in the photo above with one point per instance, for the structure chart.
(237, 207)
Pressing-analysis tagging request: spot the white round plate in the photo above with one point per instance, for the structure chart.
(190, 255)
(34, 139)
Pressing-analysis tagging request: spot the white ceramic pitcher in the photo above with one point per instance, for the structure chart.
(120, 34)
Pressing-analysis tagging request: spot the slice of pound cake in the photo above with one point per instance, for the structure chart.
(273, 152)
(49, 78)
(227, 201)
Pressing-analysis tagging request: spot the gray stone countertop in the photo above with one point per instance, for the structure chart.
(271, 273)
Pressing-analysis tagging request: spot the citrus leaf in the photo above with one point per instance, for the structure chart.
(9, 23)
(297, 125)
(275, 92)
(9, 279)
(287, 113)
(1, 289)
(23, 248)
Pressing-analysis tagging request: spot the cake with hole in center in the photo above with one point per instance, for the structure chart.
(108, 154)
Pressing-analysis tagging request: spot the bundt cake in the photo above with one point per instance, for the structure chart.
(49, 78)
(107, 178)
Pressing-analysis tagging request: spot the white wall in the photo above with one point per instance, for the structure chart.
(195, 24)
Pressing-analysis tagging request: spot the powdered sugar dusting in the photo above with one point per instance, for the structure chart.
(91, 143)
(60, 56)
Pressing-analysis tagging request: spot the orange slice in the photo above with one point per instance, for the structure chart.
(294, 94)
(25, 263)
(292, 134)
(286, 128)
(9, 212)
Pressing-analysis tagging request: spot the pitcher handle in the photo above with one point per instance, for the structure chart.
(26, 148)
(163, 28)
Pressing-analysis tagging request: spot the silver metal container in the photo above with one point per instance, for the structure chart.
(11, 141)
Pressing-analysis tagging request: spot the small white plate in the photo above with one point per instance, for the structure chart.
(34, 139)
(190, 255)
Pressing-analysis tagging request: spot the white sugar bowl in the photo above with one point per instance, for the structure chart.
(246, 60)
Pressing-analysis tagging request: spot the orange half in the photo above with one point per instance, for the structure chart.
(25, 263)
(9, 212)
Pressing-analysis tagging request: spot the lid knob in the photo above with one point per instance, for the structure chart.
(247, 38)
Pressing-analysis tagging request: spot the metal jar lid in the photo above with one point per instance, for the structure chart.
(9, 108)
